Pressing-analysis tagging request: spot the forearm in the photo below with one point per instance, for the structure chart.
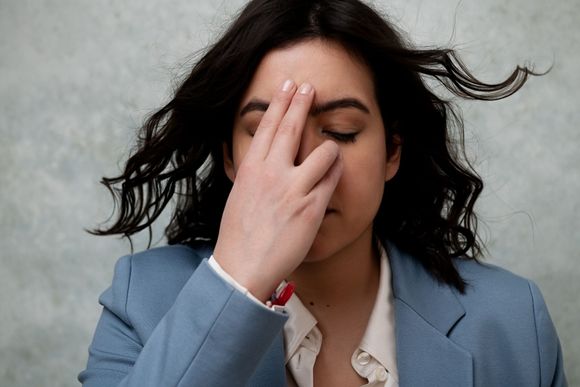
(212, 335)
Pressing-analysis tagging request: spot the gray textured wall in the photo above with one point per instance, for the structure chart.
(78, 76)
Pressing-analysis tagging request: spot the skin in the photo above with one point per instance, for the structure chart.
(308, 163)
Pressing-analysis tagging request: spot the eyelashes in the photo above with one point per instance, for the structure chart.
(340, 136)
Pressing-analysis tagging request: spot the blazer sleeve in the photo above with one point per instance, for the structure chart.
(550, 351)
(212, 335)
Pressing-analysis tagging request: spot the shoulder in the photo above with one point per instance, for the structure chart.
(165, 261)
(491, 282)
(152, 278)
(508, 310)
(487, 284)
(495, 289)
(492, 290)
(159, 265)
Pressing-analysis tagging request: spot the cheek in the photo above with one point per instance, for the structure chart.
(367, 160)
(363, 178)
(364, 187)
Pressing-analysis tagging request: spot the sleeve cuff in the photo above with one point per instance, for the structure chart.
(229, 279)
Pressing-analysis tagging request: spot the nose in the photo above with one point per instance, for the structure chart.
(308, 142)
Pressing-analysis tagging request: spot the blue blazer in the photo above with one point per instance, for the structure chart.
(169, 320)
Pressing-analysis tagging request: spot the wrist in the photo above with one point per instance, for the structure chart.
(261, 287)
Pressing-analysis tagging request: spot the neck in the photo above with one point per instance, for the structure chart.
(341, 280)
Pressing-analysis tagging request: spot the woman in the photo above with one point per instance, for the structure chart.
(305, 150)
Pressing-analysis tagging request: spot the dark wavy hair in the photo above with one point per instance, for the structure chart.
(427, 208)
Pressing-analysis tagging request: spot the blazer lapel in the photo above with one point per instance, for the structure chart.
(425, 313)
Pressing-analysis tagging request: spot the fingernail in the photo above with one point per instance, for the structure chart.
(287, 85)
(305, 88)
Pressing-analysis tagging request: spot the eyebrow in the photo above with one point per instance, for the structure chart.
(342, 103)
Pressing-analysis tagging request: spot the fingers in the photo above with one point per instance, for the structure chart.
(317, 165)
(325, 187)
(279, 134)
(287, 139)
(264, 135)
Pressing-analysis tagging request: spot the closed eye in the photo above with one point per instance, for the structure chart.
(340, 136)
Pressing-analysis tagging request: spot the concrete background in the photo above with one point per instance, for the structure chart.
(78, 76)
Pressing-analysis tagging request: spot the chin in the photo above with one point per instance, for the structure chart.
(330, 241)
(312, 258)
(321, 249)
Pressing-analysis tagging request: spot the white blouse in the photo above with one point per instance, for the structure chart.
(375, 357)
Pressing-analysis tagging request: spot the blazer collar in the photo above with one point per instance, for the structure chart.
(425, 313)
(436, 303)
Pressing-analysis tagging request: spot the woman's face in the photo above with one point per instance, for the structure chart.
(344, 110)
